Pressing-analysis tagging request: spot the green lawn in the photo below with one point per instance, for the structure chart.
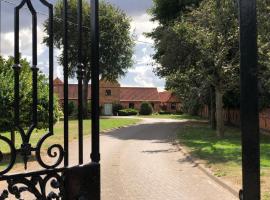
(105, 124)
(223, 156)
(172, 116)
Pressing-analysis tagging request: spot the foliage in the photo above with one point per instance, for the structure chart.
(165, 11)
(71, 108)
(146, 108)
(127, 112)
(7, 97)
(89, 107)
(116, 108)
(199, 49)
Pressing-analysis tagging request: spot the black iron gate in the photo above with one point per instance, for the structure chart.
(56, 180)
(59, 180)
(249, 101)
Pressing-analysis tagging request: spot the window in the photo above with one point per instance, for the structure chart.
(173, 106)
(131, 105)
(108, 93)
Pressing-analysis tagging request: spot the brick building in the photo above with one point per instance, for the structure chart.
(169, 102)
(132, 97)
(128, 97)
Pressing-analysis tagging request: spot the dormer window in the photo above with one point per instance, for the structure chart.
(108, 93)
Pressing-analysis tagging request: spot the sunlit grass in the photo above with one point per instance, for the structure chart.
(172, 116)
(223, 155)
(58, 137)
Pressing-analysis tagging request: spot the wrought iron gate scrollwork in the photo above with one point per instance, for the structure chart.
(36, 185)
(12, 155)
(56, 178)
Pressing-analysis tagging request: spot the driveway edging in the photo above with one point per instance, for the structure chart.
(120, 127)
(206, 171)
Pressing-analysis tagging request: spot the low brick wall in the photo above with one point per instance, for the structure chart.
(232, 116)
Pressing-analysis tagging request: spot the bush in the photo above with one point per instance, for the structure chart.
(71, 108)
(127, 112)
(116, 108)
(7, 97)
(146, 109)
(89, 108)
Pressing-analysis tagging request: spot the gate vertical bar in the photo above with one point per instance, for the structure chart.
(34, 68)
(51, 68)
(80, 77)
(95, 155)
(249, 101)
(16, 68)
(65, 29)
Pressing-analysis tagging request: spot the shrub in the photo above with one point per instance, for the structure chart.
(116, 108)
(89, 108)
(7, 97)
(71, 108)
(146, 108)
(127, 112)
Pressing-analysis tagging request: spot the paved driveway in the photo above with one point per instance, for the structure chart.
(140, 163)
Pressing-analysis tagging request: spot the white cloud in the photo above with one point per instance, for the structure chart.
(25, 43)
(143, 23)
(142, 73)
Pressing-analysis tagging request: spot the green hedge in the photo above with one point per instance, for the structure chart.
(127, 112)
(146, 109)
(116, 108)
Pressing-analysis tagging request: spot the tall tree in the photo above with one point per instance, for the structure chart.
(206, 40)
(116, 42)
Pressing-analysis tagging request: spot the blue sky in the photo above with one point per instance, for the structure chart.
(141, 74)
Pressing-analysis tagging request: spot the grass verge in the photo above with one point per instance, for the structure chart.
(172, 116)
(223, 156)
(105, 124)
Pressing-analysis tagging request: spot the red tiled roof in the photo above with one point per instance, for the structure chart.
(168, 96)
(58, 81)
(165, 96)
(126, 93)
(72, 92)
(138, 94)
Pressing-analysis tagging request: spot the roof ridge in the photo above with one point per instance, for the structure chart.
(141, 87)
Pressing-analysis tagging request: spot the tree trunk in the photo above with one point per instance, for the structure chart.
(212, 108)
(219, 113)
(85, 97)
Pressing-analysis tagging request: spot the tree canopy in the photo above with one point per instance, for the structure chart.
(199, 49)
